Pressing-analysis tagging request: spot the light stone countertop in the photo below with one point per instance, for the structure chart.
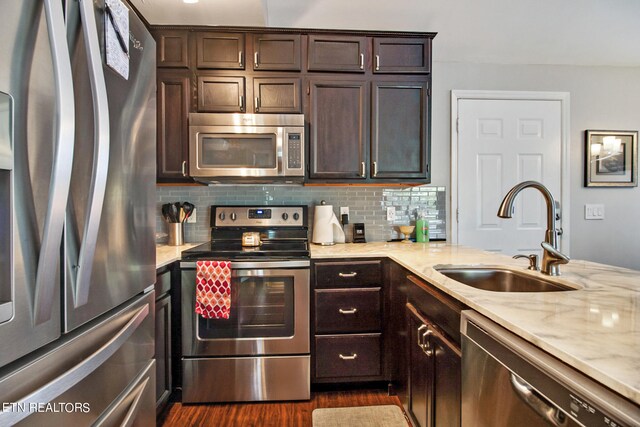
(166, 254)
(595, 329)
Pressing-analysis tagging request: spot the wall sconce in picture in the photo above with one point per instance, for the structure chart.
(611, 158)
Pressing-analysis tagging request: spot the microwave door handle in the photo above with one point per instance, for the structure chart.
(48, 260)
(100, 167)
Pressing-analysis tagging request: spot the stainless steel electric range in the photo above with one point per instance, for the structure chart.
(262, 351)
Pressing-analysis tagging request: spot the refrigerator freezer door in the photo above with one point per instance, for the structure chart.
(124, 254)
(27, 76)
(87, 374)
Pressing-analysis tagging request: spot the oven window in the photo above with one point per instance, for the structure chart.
(261, 307)
(239, 151)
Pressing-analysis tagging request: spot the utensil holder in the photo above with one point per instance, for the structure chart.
(176, 233)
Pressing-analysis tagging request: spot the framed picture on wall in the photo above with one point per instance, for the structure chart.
(611, 158)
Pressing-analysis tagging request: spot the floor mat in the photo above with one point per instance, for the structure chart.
(370, 416)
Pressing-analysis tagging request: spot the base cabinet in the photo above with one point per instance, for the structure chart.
(164, 383)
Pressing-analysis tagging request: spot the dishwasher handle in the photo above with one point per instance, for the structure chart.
(543, 407)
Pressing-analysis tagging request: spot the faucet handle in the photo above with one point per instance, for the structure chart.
(556, 256)
(533, 260)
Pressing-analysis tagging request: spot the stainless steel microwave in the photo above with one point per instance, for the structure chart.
(246, 147)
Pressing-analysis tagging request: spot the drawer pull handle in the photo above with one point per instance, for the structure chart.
(352, 357)
(352, 274)
(347, 311)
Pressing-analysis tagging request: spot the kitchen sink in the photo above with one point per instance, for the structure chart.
(499, 279)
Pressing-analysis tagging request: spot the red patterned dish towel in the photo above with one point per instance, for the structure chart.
(213, 289)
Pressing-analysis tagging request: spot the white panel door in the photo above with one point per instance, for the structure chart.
(502, 142)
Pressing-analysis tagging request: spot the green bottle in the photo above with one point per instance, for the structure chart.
(422, 229)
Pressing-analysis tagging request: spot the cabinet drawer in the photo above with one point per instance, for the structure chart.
(347, 310)
(348, 356)
(348, 274)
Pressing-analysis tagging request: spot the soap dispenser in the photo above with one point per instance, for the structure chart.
(422, 228)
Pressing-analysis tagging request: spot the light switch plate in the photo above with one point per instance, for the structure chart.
(344, 210)
(391, 213)
(593, 211)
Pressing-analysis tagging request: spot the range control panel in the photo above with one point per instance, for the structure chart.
(258, 216)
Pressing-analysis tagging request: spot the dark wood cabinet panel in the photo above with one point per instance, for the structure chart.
(346, 274)
(337, 53)
(163, 351)
(348, 356)
(277, 52)
(447, 384)
(220, 50)
(338, 129)
(173, 101)
(399, 130)
(172, 48)
(218, 94)
(421, 375)
(401, 55)
(277, 95)
(348, 310)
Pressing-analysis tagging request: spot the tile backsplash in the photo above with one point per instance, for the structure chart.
(366, 204)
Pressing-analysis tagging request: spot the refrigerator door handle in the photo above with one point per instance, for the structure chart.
(73, 376)
(48, 262)
(100, 158)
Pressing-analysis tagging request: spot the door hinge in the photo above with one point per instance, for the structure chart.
(458, 125)
(309, 89)
(457, 214)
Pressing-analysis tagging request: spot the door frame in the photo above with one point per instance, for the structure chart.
(565, 175)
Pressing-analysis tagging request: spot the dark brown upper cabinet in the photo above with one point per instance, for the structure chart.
(399, 130)
(401, 55)
(276, 95)
(338, 129)
(172, 48)
(218, 94)
(276, 52)
(174, 95)
(346, 54)
(220, 51)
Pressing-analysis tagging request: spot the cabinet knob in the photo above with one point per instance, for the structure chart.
(233, 216)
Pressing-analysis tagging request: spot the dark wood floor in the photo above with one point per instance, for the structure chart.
(277, 414)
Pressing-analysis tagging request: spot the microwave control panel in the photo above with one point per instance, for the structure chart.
(294, 151)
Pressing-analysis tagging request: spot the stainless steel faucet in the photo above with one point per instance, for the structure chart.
(552, 257)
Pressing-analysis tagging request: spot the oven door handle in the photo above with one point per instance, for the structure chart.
(247, 265)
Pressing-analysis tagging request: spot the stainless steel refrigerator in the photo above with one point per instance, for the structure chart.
(77, 219)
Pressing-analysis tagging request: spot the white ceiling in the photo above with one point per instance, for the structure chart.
(580, 32)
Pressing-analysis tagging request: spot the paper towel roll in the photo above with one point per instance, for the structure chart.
(326, 227)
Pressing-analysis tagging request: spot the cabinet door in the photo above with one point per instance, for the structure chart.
(421, 367)
(337, 53)
(174, 95)
(338, 129)
(221, 94)
(172, 48)
(163, 351)
(401, 55)
(278, 95)
(277, 52)
(447, 382)
(220, 50)
(400, 130)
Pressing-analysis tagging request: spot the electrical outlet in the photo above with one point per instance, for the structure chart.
(344, 210)
(391, 213)
(192, 218)
(593, 211)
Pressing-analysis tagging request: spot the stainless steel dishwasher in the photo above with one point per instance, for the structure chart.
(507, 381)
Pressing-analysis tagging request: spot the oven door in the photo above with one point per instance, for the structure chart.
(269, 312)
